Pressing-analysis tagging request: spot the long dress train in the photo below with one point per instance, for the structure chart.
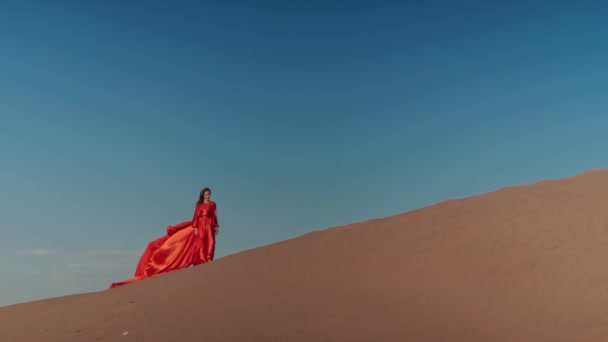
(180, 247)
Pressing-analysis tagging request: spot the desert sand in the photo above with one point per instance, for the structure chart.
(522, 263)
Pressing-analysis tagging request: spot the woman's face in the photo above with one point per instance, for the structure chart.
(207, 196)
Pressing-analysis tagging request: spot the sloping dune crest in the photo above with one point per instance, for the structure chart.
(523, 263)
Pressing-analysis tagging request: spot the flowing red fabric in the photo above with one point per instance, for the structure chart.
(180, 247)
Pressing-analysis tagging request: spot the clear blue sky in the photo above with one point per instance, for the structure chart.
(299, 115)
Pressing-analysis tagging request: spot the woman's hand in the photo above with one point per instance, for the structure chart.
(195, 231)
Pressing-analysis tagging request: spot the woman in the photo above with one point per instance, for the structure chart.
(188, 243)
(205, 226)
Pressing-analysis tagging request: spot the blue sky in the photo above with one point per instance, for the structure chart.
(299, 115)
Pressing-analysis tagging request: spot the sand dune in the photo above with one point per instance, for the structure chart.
(524, 263)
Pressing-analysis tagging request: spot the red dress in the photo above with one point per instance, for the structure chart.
(205, 219)
(180, 247)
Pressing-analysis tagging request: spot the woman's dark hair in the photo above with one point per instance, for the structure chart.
(201, 196)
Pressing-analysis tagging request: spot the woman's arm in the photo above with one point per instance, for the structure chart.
(216, 225)
(195, 219)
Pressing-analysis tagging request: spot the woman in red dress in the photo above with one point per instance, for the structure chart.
(205, 226)
(188, 243)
